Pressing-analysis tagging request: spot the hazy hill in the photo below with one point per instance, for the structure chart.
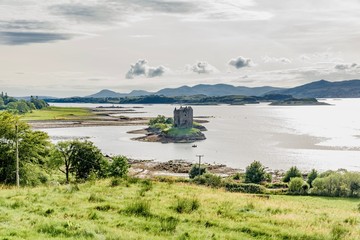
(325, 89)
(201, 89)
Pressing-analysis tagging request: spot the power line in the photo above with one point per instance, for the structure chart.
(17, 155)
(200, 156)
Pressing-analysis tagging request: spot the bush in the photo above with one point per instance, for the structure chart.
(119, 166)
(195, 171)
(277, 185)
(255, 173)
(208, 179)
(338, 184)
(186, 205)
(238, 176)
(312, 176)
(245, 188)
(293, 172)
(298, 186)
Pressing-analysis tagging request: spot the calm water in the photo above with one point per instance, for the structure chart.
(321, 137)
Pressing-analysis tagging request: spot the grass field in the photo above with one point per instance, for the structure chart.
(157, 210)
(58, 113)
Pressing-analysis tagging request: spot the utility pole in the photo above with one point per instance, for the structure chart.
(200, 156)
(17, 155)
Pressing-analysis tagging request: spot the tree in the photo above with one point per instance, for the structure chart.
(312, 176)
(292, 173)
(2, 103)
(34, 149)
(119, 166)
(255, 173)
(80, 158)
(298, 186)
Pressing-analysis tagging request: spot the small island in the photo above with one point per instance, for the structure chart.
(180, 129)
(298, 102)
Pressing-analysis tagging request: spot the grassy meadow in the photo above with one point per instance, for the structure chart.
(58, 113)
(143, 209)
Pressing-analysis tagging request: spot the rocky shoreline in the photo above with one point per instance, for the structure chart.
(151, 136)
(181, 168)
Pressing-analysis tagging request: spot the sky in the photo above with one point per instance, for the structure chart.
(78, 47)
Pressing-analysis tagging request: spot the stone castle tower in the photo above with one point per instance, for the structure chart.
(183, 117)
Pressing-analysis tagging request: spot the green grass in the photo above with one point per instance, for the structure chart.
(181, 132)
(58, 113)
(97, 210)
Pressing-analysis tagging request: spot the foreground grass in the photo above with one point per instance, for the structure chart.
(58, 113)
(154, 210)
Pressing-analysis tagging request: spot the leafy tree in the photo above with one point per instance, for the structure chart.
(2, 103)
(81, 158)
(34, 149)
(119, 166)
(298, 186)
(38, 103)
(159, 119)
(255, 173)
(292, 173)
(312, 176)
(22, 107)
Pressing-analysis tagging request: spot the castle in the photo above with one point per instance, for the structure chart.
(183, 117)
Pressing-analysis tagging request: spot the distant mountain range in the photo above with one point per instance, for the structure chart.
(325, 89)
(317, 89)
(201, 89)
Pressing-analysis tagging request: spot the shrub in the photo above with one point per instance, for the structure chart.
(337, 184)
(277, 185)
(312, 176)
(208, 179)
(196, 171)
(245, 188)
(119, 166)
(255, 173)
(186, 205)
(298, 186)
(293, 172)
(238, 176)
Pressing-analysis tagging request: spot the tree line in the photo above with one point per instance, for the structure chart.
(21, 106)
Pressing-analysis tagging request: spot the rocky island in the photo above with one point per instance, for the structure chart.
(180, 129)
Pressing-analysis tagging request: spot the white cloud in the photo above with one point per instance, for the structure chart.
(202, 67)
(141, 68)
(283, 60)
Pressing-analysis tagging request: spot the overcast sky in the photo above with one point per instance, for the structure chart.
(73, 47)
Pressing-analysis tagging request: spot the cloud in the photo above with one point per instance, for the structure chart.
(241, 62)
(201, 67)
(23, 38)
(283, 60)
(156, 71)
(165, 6)
(346, 66)
(141, 68)
(81, 12)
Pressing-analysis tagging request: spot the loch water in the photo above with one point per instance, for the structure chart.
(320, 137)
